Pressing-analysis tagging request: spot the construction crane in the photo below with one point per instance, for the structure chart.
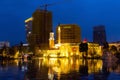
(51, 4)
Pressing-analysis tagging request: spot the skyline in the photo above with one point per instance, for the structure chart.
(84, 13)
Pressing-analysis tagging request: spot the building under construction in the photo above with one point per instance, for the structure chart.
(41, 28)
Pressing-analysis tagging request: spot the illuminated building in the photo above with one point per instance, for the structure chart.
(41, 28)
(99, 34)
(68, 33)
(94, 50)
(51, 40)
(68, 36)
(28, 27)
(71, 49)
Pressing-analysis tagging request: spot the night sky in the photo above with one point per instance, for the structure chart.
(85, 13)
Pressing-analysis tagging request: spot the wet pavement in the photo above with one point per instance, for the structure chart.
(60, 69)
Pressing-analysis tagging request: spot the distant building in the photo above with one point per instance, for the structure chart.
(99, 34)
(4, 44)
(28, 28)
(41, 28)
(68, 33)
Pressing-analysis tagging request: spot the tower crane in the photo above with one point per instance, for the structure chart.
(51, 4)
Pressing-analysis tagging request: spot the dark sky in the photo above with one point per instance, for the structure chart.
(85, 13)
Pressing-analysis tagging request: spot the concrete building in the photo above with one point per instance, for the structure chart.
(41, 28)
(28, 28)
(4, 44)
(99, 34)
(68, 33)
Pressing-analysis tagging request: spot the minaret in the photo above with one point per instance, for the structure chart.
(51, 40)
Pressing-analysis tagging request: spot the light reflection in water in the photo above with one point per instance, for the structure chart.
(60, 68)
(67, 65)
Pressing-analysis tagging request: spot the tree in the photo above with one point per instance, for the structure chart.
(113, 48)
(83, 47)
(105, 45)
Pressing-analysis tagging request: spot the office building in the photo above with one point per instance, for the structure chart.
(41, 28)
(28, 28)
(99, 34)
(68, 33)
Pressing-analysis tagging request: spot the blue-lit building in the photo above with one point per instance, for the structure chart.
(99, 34)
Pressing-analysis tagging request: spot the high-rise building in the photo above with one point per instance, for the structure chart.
(28, 28)
(41, 28)
(99, 34)
(68, 33)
